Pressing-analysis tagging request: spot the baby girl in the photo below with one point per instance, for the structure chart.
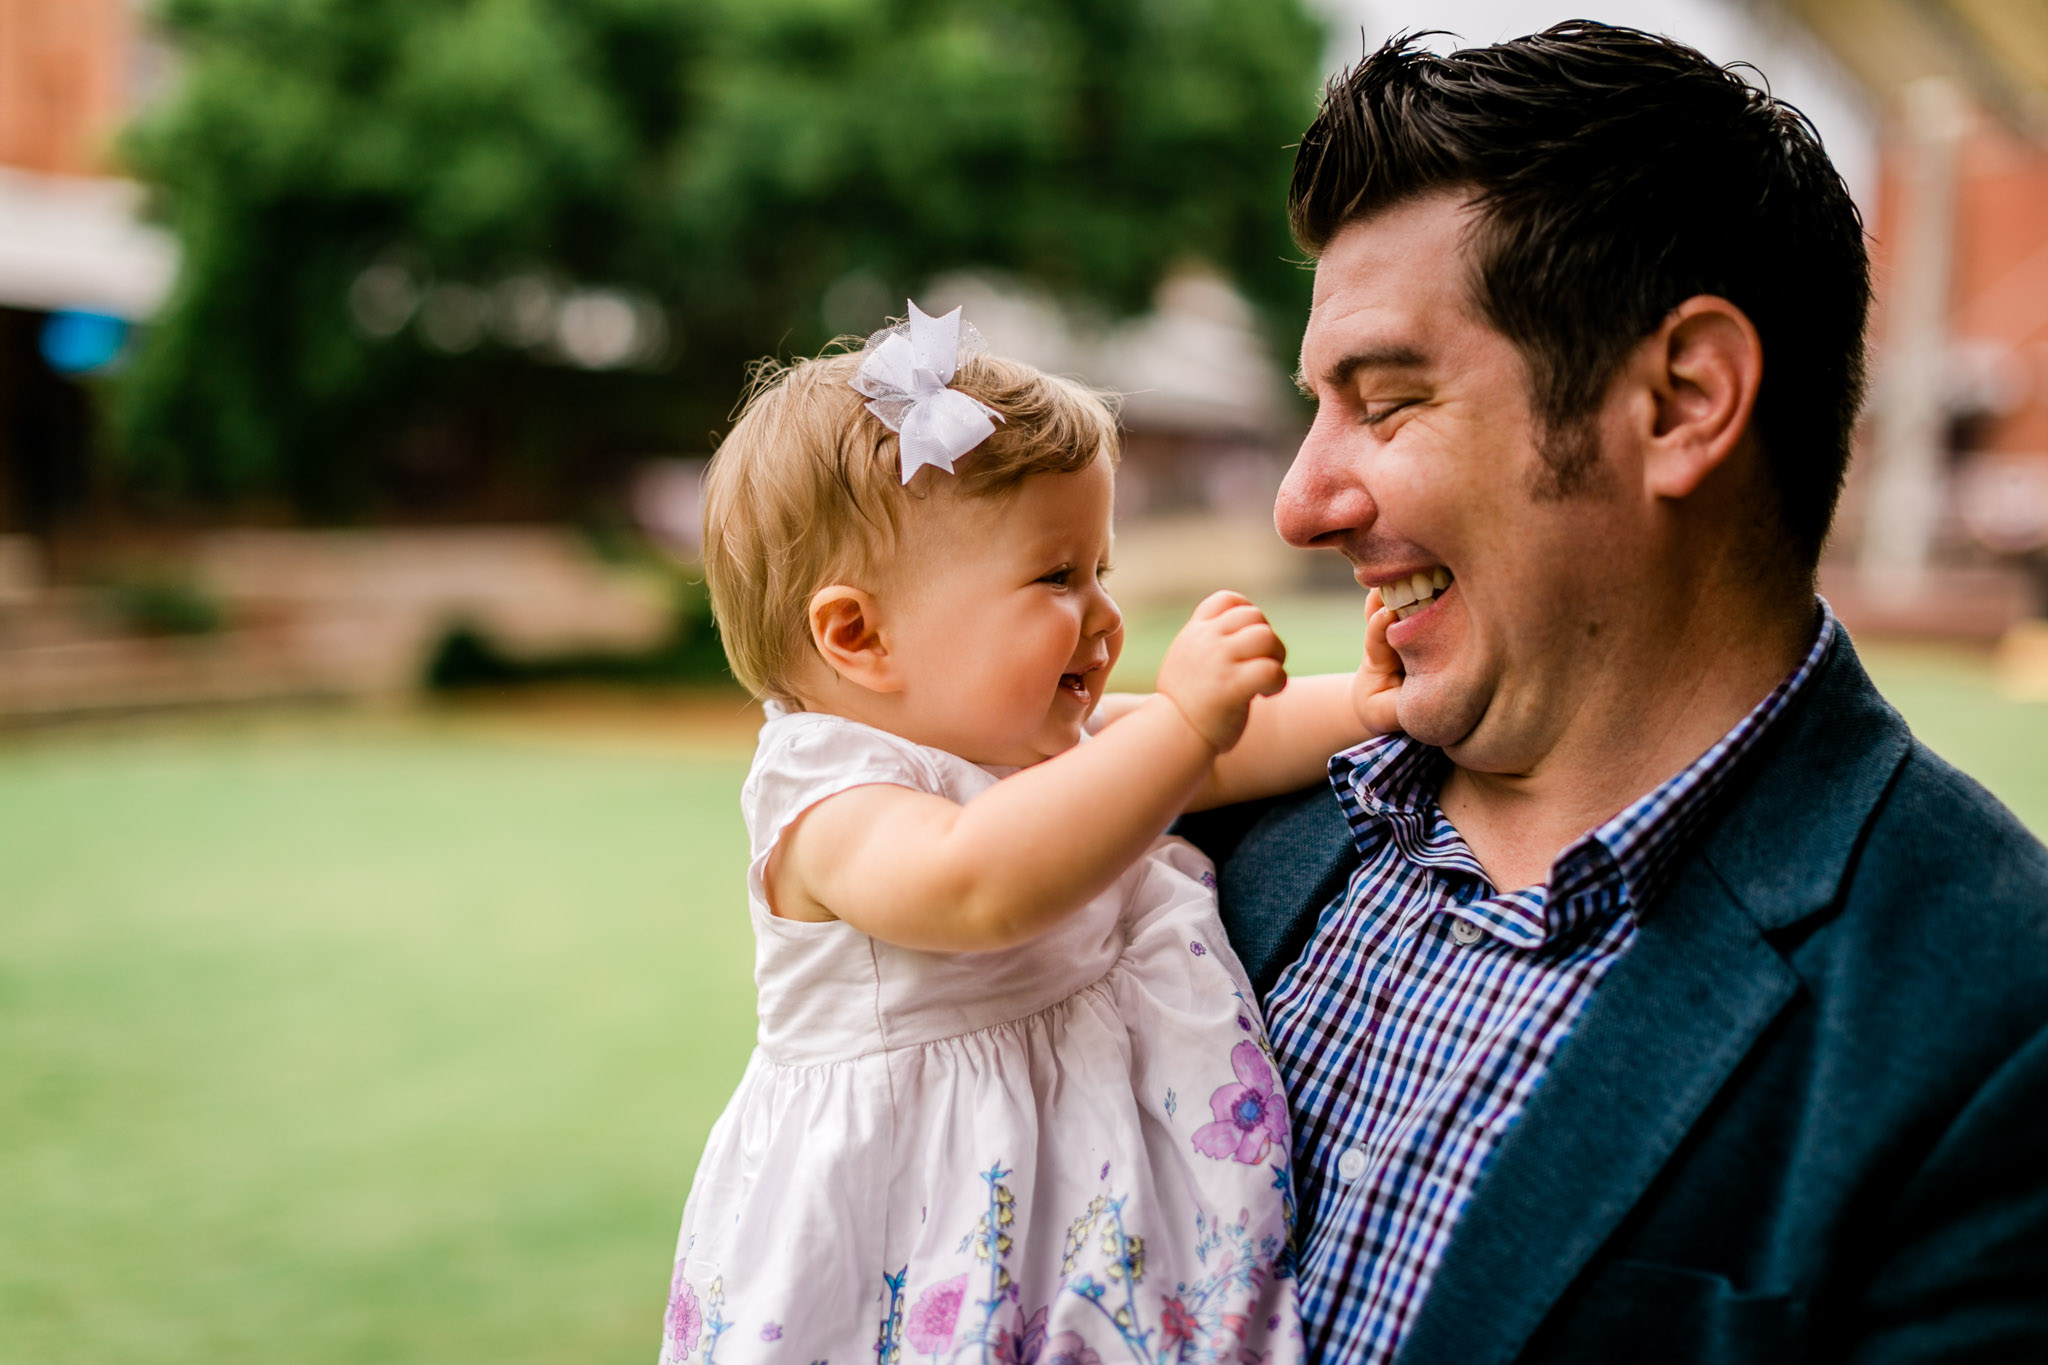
(1012, 1099)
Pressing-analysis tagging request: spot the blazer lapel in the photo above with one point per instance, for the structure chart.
(1663, 1031)
(1666, 1028)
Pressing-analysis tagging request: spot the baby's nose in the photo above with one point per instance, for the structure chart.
(1104, 617)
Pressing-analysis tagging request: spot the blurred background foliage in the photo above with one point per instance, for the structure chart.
(333, 167)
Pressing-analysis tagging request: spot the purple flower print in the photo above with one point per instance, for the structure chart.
(1024, 1346)
(684, 1321)
(1209, 880)
(772, 1332)
(1197, 947)
(933, 1317)
(1068, 1349)
(1250, 1114)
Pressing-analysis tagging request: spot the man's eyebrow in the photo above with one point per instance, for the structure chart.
(1394, 357)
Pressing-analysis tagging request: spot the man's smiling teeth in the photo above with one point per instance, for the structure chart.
(1415, 592)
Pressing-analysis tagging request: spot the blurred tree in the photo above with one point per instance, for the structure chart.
(330, 164)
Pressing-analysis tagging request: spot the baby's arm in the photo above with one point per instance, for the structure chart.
(1290, 735)
(921, 871)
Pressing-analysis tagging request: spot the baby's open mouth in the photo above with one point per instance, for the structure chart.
(1074, 684)
(1416, 592)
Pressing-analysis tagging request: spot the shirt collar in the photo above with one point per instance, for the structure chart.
(1387, 787)
(1391, 773)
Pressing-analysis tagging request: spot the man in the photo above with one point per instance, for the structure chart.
(1657, 997)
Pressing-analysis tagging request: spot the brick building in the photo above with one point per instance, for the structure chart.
(1948, 505)
(67, 72)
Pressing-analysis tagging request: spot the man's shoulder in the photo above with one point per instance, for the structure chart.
(1278, 860)
(1936, 841)
(1948, 876)
(1942, 819)
(1223, 832)
(1854, 832)
(1845, 803)
(1928, 941)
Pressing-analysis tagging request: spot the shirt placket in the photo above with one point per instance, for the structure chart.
(1427, 941)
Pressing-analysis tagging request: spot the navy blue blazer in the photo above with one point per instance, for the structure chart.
(1804, 1118)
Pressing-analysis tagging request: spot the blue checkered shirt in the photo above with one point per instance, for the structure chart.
(1427, 1006)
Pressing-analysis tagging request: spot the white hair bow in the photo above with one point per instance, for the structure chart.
(905, 370)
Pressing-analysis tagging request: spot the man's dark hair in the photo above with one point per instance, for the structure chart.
(1618, 174)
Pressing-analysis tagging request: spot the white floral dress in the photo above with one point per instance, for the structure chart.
(1071, 1151)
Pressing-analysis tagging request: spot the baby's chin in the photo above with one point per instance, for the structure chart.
(992, 751)
(1050, 742)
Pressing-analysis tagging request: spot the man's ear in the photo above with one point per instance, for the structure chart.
(1701, 368)
(846, 630)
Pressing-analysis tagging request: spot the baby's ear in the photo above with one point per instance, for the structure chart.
(846, 630)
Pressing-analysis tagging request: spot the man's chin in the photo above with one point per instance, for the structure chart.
(1436, 715)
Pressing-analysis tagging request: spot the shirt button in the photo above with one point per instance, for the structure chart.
(1351, 1165)
(1464, 931)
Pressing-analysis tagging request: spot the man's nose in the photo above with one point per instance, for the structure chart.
(1324, 498)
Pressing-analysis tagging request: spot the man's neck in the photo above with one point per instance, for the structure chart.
(1646, 725)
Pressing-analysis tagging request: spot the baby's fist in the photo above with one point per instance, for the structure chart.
(1223, 657)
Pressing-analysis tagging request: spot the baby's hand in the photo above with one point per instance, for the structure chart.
(1223, 657)
(1377, 689)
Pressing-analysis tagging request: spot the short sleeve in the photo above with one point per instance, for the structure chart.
(805, 757)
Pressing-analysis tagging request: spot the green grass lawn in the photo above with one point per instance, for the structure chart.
(350, 1041)
(351, 1045)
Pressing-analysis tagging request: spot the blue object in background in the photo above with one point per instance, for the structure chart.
(77, 342)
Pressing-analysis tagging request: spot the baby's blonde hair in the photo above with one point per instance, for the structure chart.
(807, 490)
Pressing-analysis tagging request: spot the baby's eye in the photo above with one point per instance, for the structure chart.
(1059, 577)
(1103, 571)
